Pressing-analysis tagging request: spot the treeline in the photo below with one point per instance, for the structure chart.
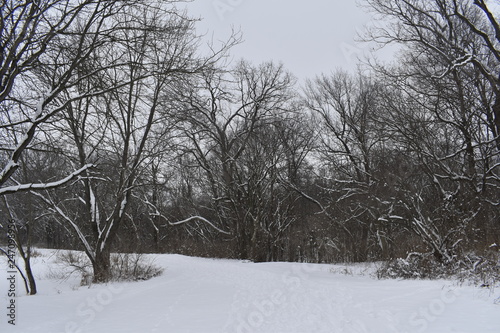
(118, 134)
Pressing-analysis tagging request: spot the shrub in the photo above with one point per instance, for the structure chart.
(483, 270)
(124, 267)
(479, 270)
(73, 262)
(35, 253)
(133, 267)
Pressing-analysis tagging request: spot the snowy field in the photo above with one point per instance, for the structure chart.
(204, 295)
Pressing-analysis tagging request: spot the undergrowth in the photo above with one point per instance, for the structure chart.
(124, 267)
(479, 270)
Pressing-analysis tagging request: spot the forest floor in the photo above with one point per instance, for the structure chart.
(210, 295)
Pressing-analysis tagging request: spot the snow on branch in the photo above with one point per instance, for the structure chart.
(317, 203)
(457, 63)
(192, 218)
(43, 186)
(55, 209)
(202, 219)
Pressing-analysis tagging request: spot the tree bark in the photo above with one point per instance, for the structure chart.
(102, 266)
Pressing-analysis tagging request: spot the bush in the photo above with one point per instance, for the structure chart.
(482, 271)
(133, 267)
(415, 266)
(124, 267)
(73, 262)
(35, 253)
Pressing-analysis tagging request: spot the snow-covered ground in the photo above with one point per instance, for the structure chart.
(205, 295)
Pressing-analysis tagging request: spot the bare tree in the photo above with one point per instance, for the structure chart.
(350, 140)
(450, 47)
(30, 31)
(442, 107)
(222, 117)
(153, 46)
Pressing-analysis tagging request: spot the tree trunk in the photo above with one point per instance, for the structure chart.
(102, 266)
(496, 115)
(242, 241)
(31, 278)
(254, 241)
(26, 256)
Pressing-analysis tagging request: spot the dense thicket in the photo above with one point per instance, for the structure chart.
(117, 135)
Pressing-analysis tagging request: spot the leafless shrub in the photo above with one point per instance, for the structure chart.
(133, 267)
(71, 262)
(124, 267)
(479, 270)
(35, 253)
(341, 270)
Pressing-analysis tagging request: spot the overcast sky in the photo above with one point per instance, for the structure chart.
(308, 37)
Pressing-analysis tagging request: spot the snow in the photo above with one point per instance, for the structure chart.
(208, 295)
(40, 186)
(94, 211)
(10, 165)
(202, 219)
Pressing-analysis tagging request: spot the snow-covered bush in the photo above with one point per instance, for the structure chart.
(483, 270)
(480, 270)
(414, 266)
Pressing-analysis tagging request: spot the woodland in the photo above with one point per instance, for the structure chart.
(120, 132)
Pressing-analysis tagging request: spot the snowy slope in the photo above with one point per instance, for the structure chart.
(205, 295)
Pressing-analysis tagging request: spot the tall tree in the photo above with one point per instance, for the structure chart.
(152, 46)
(444, 109)
(222, 117)
(32, 31)
(350, 148)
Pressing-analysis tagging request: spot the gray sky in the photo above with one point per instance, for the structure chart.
(308, 37)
